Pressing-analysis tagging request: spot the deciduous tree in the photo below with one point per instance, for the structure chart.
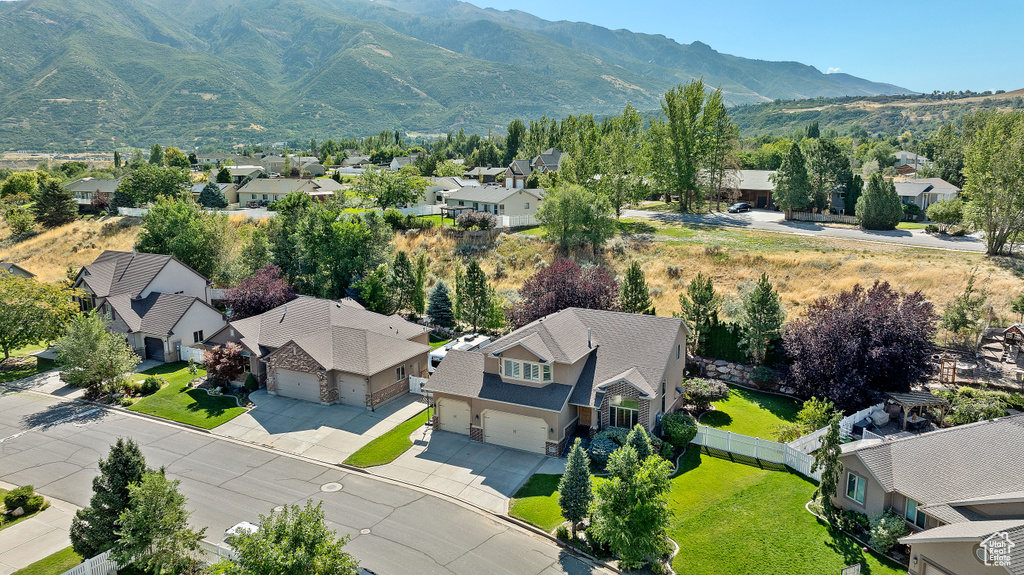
(994, 168)
(682, 142)
(946, 213)
(623, 161)
(154, 531)
(562, 285)
(175, 158)
(91, 357)
(179, 227)
(32, 312)
(156, 155)
(258, 293)
(387, 188)
(572, 216)
(964, 316)
(20, 183)
(148, 182)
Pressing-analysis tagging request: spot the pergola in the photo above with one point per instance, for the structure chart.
(918, 399)
(453, 212)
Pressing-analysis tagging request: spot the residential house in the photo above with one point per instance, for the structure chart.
(756, 187)
(926, 191)
(549, 160)
(240, 173)
(498, 200)
(907, 170)
(330, 351)
(519, 170)
(273, 163)
(486, 175)
(85, 189)
(230, 191)
(219, 159)
(955, 488)
(572, 372)
(438, 190)
(15, 269)
(158, 303)
(398, 163)
(355, 162)
(273, 189)
(905, 158)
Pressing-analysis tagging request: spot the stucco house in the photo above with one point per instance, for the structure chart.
(329, 351)
(158, 303)
(85, 189)
(498, 200)
(572, 372)
(518, 171)
(926, 191)
(15, 269)
(273, 189)
(955, 487)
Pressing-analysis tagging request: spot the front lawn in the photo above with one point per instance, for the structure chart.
(55, 564)
(27, 366)
(7, 521)
(910, 226)
(752, 413)
(389, 446)
(179, 403)
(536, 502)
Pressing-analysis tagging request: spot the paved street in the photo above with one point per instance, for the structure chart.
(395, 530)
(774, 222)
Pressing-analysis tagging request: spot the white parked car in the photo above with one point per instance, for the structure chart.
(469, 342)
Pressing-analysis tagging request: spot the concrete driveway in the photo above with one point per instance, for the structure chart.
(329, 433)
(480, 473)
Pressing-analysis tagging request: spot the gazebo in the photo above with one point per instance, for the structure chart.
(918, 400)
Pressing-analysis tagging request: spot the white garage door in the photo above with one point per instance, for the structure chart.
(298, 385)
(352, 391)
(454, 415)
(515, 431)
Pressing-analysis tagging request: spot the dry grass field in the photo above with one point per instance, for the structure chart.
(802, 268)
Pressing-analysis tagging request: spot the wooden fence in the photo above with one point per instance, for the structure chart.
(757, 448)
(832, 218)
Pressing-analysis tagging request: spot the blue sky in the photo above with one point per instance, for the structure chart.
(924, 46)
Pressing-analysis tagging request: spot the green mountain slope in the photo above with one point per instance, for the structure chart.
(101, 73)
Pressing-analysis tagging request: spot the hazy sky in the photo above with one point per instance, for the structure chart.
(923, 45)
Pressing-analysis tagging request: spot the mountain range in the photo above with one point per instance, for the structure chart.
(97, 74)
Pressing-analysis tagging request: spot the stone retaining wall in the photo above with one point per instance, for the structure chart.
(737, 373)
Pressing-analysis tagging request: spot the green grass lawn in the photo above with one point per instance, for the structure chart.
(32, 366)
(910, 226)
(731, 517)
(178, 403)
(55, 564)
(752, 413)
(536, 502)
(29, 349)
(437, 342)
(389, 446)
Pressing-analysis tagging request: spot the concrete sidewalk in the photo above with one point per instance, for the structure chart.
(35, 538)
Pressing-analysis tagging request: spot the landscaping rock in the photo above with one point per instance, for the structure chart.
(18, 512)
(721, 362)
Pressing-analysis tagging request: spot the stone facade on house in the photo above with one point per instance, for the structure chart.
(292, 358)
(625, 390)
(390, 392)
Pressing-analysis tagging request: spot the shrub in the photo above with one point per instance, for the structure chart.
(960, 233)
(133, 388)
(394, 218)
(763, 375)
(679, 429)
(24, 497)
(886, 529)
(476, 220)
(931, 229)
(666, 450)
(854, 521)
(251, 384)
(150, 385)
(616, 434)
(701, 393)
(601, 449)
(562, 533)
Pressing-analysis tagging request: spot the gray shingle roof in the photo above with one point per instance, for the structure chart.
(969, 531)
(307, 316)
(102, 185)
(912, 189)
(14, 268)
(358, 351)
(116, 273)
(488, 194)
(157, 313)
(462, 374)
(954, 464)
(289, 185)
(756, 180)
(940, 185)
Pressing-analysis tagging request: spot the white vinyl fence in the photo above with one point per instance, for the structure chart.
(757, 448)
(101, 564)
(421, 211)
(416, 384)
(216, 551)
(191, 352)
(812, 441)
(517, 221)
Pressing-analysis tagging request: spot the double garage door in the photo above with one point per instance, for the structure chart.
(515, 431)
(299, 385)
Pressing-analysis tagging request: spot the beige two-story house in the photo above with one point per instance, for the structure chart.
(572, 372)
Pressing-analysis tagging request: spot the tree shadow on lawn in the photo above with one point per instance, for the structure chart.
(784, 408)
(743, 459)
(717, 418)
(210, 406)
(166, 368)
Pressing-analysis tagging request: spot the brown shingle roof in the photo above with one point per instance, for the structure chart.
(157, 313)
(462, 374)
(358, 351)
(116, 273)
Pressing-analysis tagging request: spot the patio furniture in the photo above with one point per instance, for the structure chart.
(880, 418)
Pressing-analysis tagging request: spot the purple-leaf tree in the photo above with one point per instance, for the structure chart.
(561, 285)
(224, 363)
(853, 347)
(260, 292)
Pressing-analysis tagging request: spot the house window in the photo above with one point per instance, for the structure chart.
(624, 412)
(526, 370)
(677, 352)
(400, 373)
(855, 488)
(914, 515)
(547, 372)
(197, 336)
(526, 206)
(264, 196)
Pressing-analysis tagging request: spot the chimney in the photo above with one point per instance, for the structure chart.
(590, 341)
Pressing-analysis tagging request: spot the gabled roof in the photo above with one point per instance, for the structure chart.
(462, 374)
(551, 158)
(490, 194)
(521, 167)
(101, 185)
(307, 316)
(14, 268)
(156, 313)
(939, 185)
(288, 185)
(962, 532)
(756, 180)
(913, 188)
(198, 188)
(484, 171)
(358, 351)
(116, 273)
(965, 462)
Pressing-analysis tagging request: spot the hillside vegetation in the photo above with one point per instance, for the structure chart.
(97, 74)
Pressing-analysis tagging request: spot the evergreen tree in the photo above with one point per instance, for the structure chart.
(635, 296)
(212, 197)
(813, 131)
(880, 207)
(762, 319)
(224, 175)
(575, 493)
(827, 460)
(439, 310)
(94, 528)
(55, 205)
(514, 140)
(640, 441)
(403, 281)
(156, 155)
(792, 184)
(854, 187)
(700, 307)
(475, 296)
(117, 159)
(419, 296)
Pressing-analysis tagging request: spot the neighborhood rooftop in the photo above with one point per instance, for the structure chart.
(116, 273)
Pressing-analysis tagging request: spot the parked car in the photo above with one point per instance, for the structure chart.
(739, 207)
(469, 342)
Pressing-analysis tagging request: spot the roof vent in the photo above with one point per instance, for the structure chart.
(590, 339)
